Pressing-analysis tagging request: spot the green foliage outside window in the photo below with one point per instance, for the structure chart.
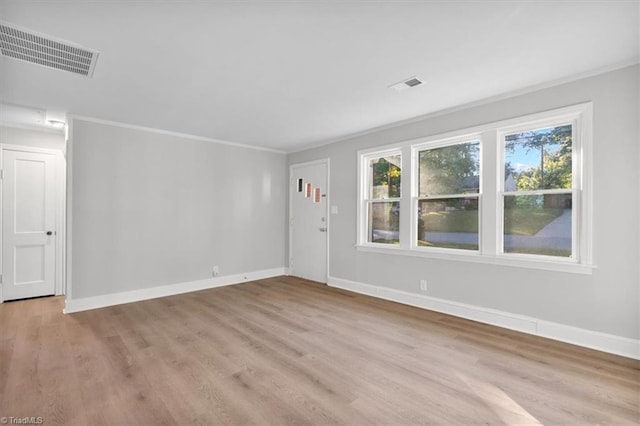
(451, 169)
(554, 147)
(386, 175)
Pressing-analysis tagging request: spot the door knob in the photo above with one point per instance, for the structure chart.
(323, 229)
(49, 232)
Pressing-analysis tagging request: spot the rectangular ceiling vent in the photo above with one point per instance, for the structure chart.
(25, 45)
(406, 84)
(413, 82)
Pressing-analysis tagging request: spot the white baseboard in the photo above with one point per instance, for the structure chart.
(84, 304)
(610, 343)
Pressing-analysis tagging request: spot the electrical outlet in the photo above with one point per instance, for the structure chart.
(216, 271)
(423, 285)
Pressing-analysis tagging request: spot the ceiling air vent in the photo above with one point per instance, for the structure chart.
(25, 45)
(413, 82)
(406, 84)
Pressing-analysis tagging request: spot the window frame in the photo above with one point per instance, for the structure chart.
(364, 196)
(491, 193)
(415, 187)
(575, 190)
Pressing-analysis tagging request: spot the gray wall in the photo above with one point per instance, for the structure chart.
(606, 301)
(32, 138)
(151, 209)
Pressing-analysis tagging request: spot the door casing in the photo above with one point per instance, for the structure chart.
(60, 212)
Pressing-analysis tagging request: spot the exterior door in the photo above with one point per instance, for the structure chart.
(309, 226)
(28, 218)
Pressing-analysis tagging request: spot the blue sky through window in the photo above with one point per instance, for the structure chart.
(524, 158)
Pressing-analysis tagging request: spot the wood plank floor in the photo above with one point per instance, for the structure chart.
(288, 351)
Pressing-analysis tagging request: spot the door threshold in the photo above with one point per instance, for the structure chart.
(28, 298)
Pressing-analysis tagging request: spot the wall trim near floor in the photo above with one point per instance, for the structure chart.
(610, 343)
(87, 303)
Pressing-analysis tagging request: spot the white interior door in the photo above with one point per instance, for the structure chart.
(309, 221)
(28, 220)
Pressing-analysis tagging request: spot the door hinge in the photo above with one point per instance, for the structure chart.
(1, 174)
(0, 278)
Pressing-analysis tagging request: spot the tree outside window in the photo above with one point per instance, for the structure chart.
(448, 196)
(384, 199)
(537, 211)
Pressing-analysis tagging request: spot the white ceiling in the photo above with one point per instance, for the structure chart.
(285, 75)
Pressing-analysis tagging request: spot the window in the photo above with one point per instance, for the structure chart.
(515, 192)
(537, 193)
(448, 196)
(383, 198)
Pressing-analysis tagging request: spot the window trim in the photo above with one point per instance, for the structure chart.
(492, 175)
(580, 250)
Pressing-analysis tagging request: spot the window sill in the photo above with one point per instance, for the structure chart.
(516, 261)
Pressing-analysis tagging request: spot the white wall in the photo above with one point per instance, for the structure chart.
(32, 138)
(151, 209)
(606, 301)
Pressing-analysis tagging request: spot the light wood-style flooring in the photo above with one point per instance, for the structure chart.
(287, 351)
